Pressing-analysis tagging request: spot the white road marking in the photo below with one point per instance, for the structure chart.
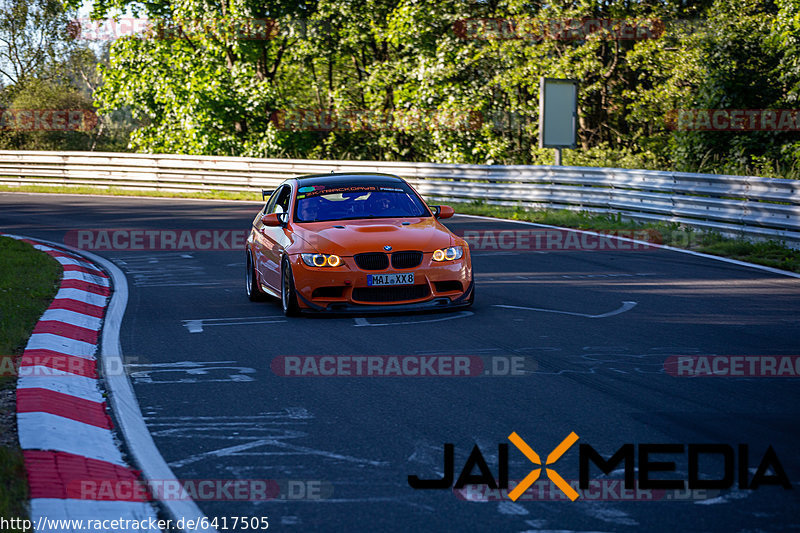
(232, 450)
(192, 368)
(196, 325)
(360, 321)
(265, 425)
(456, 352)
(610, 515)
(511, 508)
(626, 306)
(725, 498)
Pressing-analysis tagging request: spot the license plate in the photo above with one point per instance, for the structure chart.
(390, 279)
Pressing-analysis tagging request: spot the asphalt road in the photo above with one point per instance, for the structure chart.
(342, 447)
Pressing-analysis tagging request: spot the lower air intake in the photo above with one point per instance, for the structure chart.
(398, 293)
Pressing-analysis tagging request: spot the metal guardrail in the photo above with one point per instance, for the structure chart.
(753, 207)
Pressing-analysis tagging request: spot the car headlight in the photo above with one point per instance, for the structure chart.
(321, 260)
(448, 254)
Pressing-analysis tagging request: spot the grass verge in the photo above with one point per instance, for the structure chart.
(115, 191)
(772, 254)
(29, 280)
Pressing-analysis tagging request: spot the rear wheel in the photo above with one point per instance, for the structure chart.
(251, 281)
(288, 293)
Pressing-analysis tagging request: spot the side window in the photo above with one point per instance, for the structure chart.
(270, 208)
(282, 200)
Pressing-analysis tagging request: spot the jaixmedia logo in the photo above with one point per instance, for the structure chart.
(646, 466)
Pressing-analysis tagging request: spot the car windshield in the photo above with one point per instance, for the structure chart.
(319, 203)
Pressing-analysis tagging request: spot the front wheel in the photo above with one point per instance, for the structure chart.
(471, 299)
(288, 293)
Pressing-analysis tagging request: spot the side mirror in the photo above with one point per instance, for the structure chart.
(443, 211)
(271, 220)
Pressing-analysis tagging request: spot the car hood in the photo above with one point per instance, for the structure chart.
(349, 237)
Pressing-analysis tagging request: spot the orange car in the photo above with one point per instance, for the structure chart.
(356, 243)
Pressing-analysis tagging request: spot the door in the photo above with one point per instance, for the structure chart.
(271, 241)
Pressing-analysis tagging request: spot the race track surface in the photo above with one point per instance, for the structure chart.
(589, 331)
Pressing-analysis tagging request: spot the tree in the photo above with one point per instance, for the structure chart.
(203, 80)
(33, 35)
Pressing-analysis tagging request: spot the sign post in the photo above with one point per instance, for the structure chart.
(558, 111)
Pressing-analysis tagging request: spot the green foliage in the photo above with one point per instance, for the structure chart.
(45, 75)
(195, 86)
(443, 82)
(37, 94)
(31, 38)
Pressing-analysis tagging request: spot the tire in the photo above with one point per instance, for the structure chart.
(288, 292)
(253, 291)
(471, 299)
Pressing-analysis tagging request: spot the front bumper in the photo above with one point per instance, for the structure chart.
(346, 307)
(350, 280)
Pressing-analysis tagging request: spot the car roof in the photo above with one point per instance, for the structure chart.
(371, 178)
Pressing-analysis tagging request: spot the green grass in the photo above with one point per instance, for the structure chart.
(29, 280)
(14, 496)
(772, 254)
